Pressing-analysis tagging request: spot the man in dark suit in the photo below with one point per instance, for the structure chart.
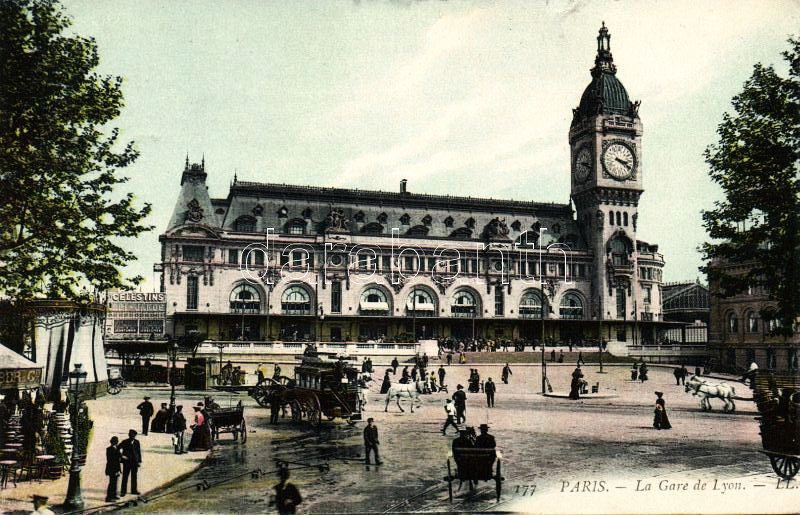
(489, 388)
(146, 410)
(460, 399)
(131, 461)
(371, 441)
(113, 461)
(395, 364)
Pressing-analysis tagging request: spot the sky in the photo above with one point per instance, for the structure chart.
(460, 97)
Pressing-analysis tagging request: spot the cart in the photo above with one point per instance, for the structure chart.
(115, 381)
(230, 420)
(778, 399)
(473, 465)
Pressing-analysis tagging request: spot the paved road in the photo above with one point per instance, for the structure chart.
(548, 447)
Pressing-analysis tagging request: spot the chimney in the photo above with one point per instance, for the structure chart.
(403, 186)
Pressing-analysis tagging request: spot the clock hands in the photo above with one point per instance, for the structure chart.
(625, 163)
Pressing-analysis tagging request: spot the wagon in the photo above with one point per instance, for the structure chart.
(229, 420)
(778, 399)
(473, 465)
(323, 388)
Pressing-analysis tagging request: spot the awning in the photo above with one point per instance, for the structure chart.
(17, 371)
(374, 306)
(420, 306)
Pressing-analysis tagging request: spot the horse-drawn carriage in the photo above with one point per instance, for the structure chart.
(228, 420)
(321, 387)
(473, 465)
(778, 399)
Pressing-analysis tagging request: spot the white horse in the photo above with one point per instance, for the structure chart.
(410, 390)
(708, 390)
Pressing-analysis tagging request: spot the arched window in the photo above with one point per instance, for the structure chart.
(732, 323)
(619, 218)
(771, 322)
(405, 219)
(571, 307)
(295, 226)
(752, 322)
(464, 304)
(421, 302)
(245, 299)
(625, 219)
(619, 251)
(296, 301)
(374, 301)
(530, 305)
(245, 224)
(610, 218)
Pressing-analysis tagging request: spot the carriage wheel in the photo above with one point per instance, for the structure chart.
(297, 413)
(243, 431)
(449, 482)
(114, 389)
(785, 466)
(315, 412)
(261, 395)
(498, 481)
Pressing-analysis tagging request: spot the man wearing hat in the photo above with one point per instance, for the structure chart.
(371, 441)
(40, 506)
(486, 441)
(450, 410)
(146, 410)
(489, 388)
(131, 461)
(113, 465)
(287, 497)
(460, 399)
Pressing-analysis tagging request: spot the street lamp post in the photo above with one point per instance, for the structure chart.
(74, 500)
(220, 346)
(600, 331)
(172, 354)
(544, 365)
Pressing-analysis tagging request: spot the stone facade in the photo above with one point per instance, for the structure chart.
(298, 262)
(739, 335)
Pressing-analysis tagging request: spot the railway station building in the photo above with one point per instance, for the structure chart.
(293, 262)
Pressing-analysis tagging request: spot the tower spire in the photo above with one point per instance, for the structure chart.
(203, 162)
(187, 161)
(604, 62)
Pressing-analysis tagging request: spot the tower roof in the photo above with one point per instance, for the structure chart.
(605, 94)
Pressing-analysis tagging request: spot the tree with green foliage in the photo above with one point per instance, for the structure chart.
(61, 220)
(757, 164)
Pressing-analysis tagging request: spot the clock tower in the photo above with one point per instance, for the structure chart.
(606, 183)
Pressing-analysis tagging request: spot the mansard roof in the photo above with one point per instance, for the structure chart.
(388, 198)
(367, 211)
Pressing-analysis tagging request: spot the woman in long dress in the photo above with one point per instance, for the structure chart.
(386, 383)
(575, 384)
(199, 439)
(660, 419)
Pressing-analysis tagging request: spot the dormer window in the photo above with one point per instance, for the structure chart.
(469, 223)
(426, 220)
(382, 218)
(307, 213)
(220, 211)
(516, 225)
(405, 219)
(258, 210)
(245, 224)
(556, 229)
(448, 222)
(283, 212)
(296, 226)
(359, 217)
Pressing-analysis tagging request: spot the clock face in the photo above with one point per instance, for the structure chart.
(619, 161)
(583, 164)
